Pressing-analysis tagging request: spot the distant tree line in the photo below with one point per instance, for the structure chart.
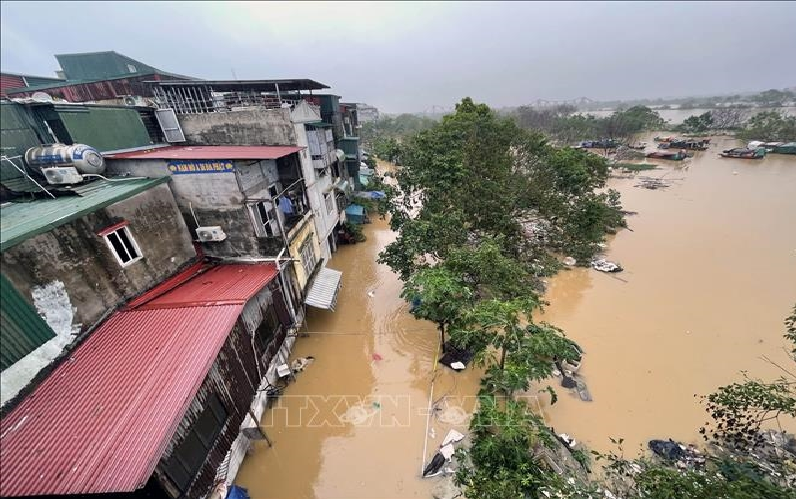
(563, 124)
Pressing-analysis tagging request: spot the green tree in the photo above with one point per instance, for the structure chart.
(770, 126)
(698, 124)
(437, 295)
(501, 463)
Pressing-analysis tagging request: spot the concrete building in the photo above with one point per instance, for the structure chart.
(252, 201)
(273, 112)
(74, 258)
(367, 113)
(163, 399)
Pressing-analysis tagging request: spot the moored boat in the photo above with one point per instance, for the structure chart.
(768, 146)
(663, 139)
(744, 153)
(670, 155)
(789, 148)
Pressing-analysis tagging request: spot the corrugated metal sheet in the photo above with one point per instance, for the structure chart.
(210, 152)
(10, 81)
(21, 221)
(220, 285)
(324, 289)
(101, 421)
(22, 330)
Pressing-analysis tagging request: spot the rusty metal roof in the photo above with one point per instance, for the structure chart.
(102, 419)
(209, 152)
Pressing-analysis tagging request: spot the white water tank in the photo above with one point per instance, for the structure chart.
(85, 159)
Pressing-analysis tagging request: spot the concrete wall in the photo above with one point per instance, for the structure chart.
(93, 280)
(218, 199)
(317, 185)
(255, 126)
(301, 233)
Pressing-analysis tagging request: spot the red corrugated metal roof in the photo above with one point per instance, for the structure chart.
(101, 421)
(210, 152)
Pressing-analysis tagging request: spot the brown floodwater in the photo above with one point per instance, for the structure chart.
(710, 273)
(351, 425)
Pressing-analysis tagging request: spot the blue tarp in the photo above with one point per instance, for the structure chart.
(355, 214)
(370, 194)
(236, 492)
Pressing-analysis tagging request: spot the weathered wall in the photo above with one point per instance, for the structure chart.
(255, 126)
(93, 279)
(301, 233)
(218, 199)
(234, 377)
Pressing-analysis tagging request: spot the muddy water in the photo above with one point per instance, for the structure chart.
(710, 274)
(677, 116)
(353, 424)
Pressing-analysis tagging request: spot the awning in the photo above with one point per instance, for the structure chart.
(324, 289)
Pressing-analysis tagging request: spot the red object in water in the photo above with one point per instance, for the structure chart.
(376, 356)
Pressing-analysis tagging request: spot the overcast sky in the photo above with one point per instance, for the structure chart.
(412, 56)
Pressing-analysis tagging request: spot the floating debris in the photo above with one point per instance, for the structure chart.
(455, 358)
(301, 363)
(653, 183)
(606, 266)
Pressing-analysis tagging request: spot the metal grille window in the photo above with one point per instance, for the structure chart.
(187, 457)
(267, 217)
(329, 203)
(123, 246)
(308, 260)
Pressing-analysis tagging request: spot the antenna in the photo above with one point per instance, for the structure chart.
(234, 76)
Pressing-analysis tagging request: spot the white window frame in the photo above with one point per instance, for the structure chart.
(307, 251)
(327, 198)
(267, 224)
(129, 236)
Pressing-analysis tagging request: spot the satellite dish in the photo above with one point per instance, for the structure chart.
(41, 97)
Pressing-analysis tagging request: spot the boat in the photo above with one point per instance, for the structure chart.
(638, 147)
(663, 139)
(691, 145)
(768, 146)
(744, 153)
(789, 148)
(670, 155)
(598, 144)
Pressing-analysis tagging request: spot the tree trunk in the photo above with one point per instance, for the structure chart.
(442, 335)
(502, 358)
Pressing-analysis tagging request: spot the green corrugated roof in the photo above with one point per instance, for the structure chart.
(21, 221)
(22, 330)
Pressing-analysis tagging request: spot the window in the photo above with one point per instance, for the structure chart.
(131, 68)
(123, 246)
(267, 217)
(327, 198)
(308, 260)
(187, 458)
(267, 330)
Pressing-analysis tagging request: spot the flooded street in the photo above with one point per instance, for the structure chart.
(710, 273)
(353, 426)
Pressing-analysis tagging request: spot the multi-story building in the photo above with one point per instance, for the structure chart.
(271, 112)
(130, 364)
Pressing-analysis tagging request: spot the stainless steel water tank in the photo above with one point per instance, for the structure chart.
(83, 158)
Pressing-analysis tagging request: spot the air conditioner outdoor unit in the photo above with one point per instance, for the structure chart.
(210, 233)
(62, 175)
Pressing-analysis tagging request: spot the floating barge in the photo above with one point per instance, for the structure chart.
(744, 153)
(669, 155)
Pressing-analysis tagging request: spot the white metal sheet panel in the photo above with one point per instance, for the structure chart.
(323, 292)
(170, 126)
